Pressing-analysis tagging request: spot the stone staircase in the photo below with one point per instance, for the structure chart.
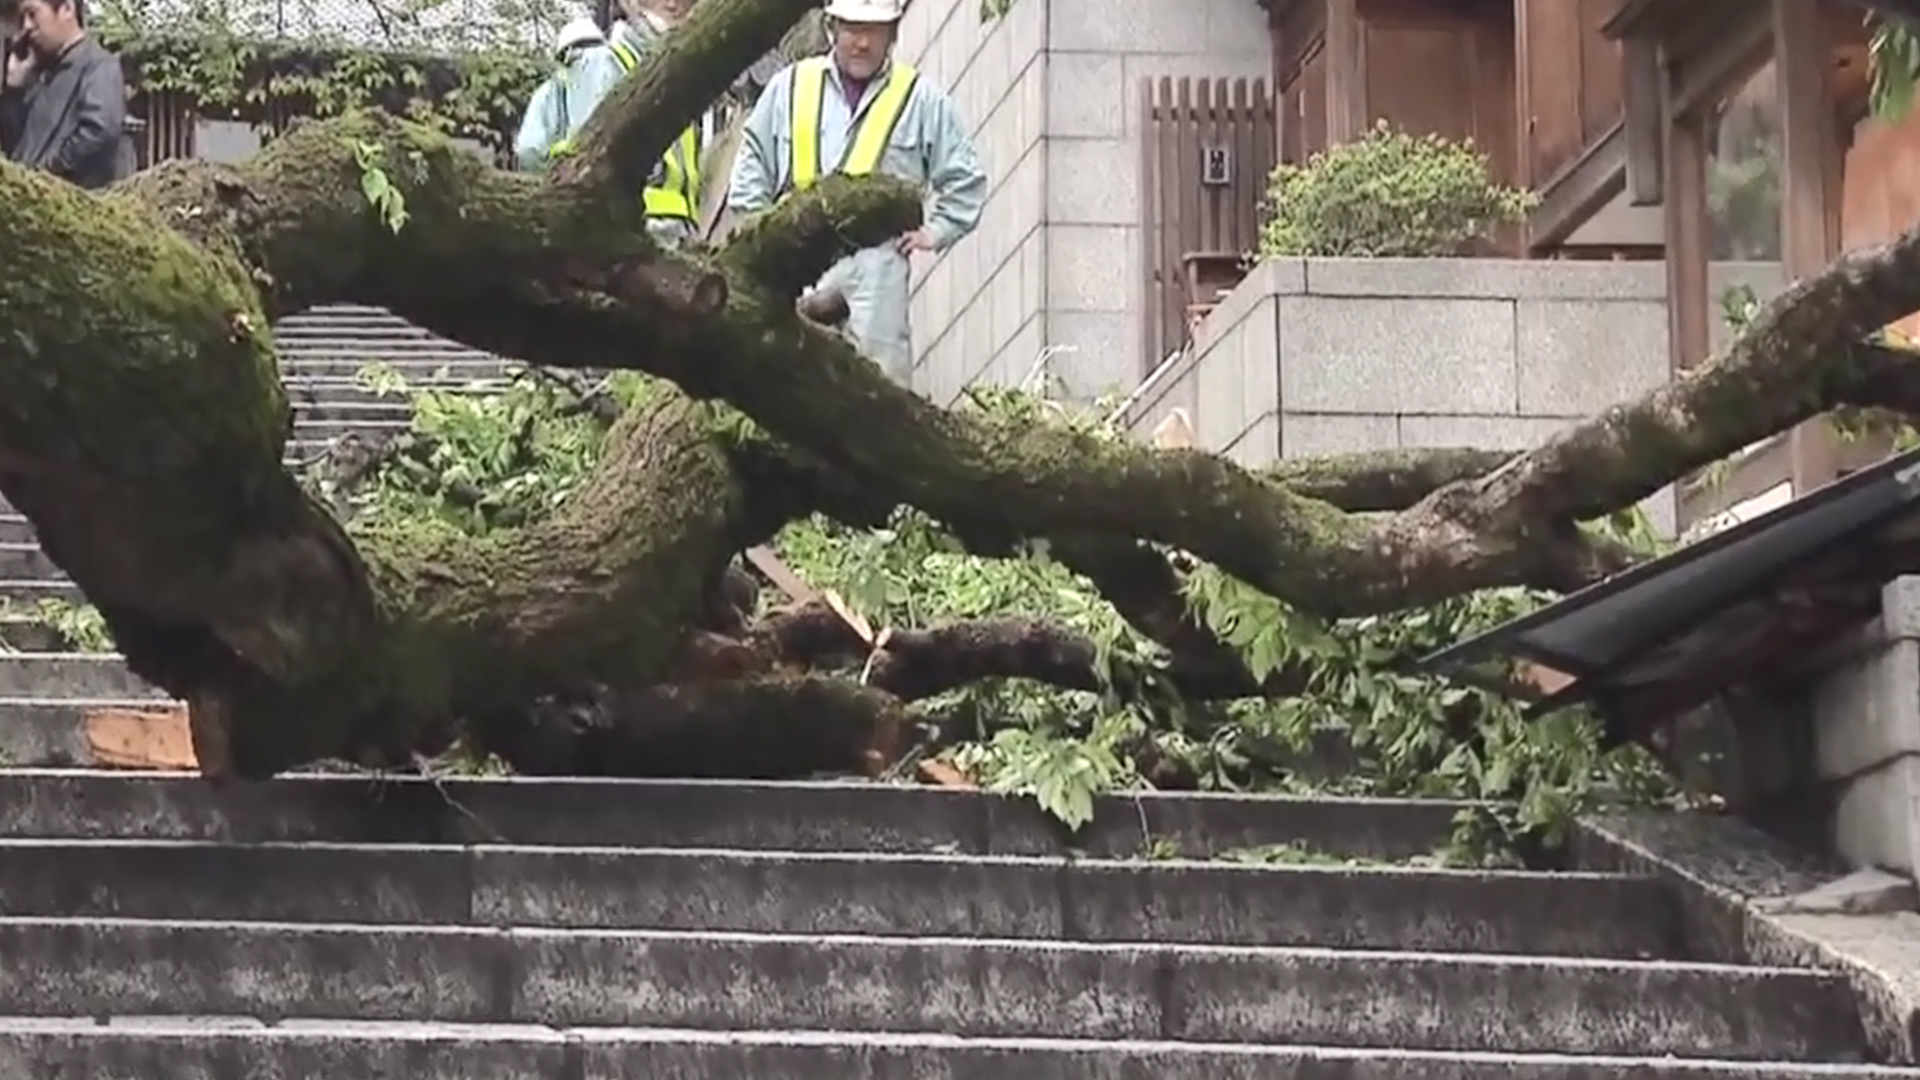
(341, 928)
(43, 690)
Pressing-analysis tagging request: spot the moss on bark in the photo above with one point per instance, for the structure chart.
(141, 427)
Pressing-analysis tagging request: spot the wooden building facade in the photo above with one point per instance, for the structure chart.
(1683, 130)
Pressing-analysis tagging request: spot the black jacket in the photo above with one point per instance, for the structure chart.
(70, 118)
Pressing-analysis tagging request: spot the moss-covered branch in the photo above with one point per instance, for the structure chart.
(641, 118)
(789, 247)
(141, 427)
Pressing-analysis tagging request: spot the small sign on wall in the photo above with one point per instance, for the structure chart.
(1216, 166)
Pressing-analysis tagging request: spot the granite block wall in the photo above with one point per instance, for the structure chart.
(1050, 91)
(1316, 356)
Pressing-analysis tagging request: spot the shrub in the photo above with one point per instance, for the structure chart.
(1388, 194)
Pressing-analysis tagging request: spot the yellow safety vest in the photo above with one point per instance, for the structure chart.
(678, 195)
(871, 134)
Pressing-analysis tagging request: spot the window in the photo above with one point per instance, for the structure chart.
(224, 140)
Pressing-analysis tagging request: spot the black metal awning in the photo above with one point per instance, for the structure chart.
(1740, 605)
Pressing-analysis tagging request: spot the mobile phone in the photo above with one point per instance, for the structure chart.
(19, 47)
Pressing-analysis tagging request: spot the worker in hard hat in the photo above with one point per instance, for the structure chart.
(673, 192)
(585, 67)
(857, 110)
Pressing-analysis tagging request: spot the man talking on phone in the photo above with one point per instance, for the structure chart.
(64, 106)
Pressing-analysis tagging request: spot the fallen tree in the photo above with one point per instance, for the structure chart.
(142, 422)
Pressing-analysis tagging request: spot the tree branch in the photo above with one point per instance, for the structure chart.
(772, 727)
(786, 249)
(639, 120)
(293, 638)
(914, 664)
(1377, 480)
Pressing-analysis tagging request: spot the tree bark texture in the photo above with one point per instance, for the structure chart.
(142, 424)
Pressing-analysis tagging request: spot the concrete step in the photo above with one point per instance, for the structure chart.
(25, 560)
(835, 816)
(348, 390)
(331, 405)
(27, 633)
(14, 527)
(207, 1049)
(32, 590)
(370, 325)
(344, 362)
(371, 429)
(975, 987)
(48, 731)
(69, 675)
(343, 312)
(1622, 917)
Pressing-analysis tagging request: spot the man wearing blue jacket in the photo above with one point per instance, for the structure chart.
(857, 110)
(561, 104)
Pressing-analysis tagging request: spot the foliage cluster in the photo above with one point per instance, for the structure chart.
(1893, 58)
(463, 67)
(1389, 194)
(519, 447)
(475, 92)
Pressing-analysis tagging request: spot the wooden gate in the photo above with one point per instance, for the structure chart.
(1207, 148)
(166, 128)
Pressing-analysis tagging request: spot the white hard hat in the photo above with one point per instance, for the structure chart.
(866, 11)
(577, 32)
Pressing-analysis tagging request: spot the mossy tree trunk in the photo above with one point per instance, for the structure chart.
(142, 424)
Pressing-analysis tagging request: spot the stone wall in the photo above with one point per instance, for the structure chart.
(1315, 356)
(1051, 93)
(1866, 735)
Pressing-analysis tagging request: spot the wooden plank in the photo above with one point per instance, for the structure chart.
(1187, 221)
(716, 174)
(1689, 331)
(1602, 80)
(1266, 149)
(1175, 431)
(1642, 116)
(782, 575)
(1495, 81)
(1152, 263)
(1172, 301)
(1347, 106)
(1703, 78)
(1552, 123)
(1313, 107)
(1527, 173)
(159, 737)
(1579, 191)
(1278, 42)
(1808, 145)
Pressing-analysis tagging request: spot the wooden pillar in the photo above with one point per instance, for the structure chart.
(1346, 73)
(1683, 183)
(1528, 175)
(1642, 118)
(1809, 191)
(1277, 45)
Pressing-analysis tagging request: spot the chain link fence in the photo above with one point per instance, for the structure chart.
(424, 26)
(417, 26)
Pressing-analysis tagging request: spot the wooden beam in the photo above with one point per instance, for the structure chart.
(1277, 45)
(1523, 61)
(1703, 77)
(1346, 73)
(1642, 117)
(1579, 191)
(1809, 239)
(1689, 331)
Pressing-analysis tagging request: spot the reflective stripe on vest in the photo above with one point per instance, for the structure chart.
(678, 194)
(870, 134)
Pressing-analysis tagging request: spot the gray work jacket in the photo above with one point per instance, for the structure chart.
(70, 118)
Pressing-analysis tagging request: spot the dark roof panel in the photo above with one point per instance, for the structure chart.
(1734, 605)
